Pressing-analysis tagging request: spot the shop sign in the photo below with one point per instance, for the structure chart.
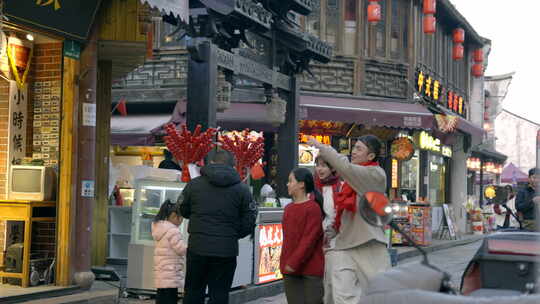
(432, 89)
(72, 49)
(67, 18)
(17, 122)
(394, 173)
(446, 151)
(325, 139)
(428, 142)
(270, 242)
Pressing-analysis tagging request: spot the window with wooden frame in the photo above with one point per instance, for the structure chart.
(389, 38)
(312, 23)
(350, 30)
(333, 21)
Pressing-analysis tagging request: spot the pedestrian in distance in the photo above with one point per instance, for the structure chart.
(221, 210)
(525, 201)
(359, 249)
(328, 183)
(169, 253)
(169, 162)
(302, 260)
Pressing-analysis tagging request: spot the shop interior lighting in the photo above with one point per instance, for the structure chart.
(388, 209)
(30, 37)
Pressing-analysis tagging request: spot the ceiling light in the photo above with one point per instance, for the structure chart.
(30, 37)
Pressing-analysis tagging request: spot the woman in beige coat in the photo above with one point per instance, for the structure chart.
(359, 250)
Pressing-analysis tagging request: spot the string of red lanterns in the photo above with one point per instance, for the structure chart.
(474, 164)
(374, 14)
(429, 21)
(459, 38)
(478, 66)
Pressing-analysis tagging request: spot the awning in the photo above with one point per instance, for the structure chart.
(366, 112)
(175, 7)
(477, 134)
(141, 130)
(512, 174)
(71, 19)
(489, 153)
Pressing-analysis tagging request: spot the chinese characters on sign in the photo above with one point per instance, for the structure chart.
(428, 142)
(432, 90)
(17, 122)
(270, 242)
(56, 3)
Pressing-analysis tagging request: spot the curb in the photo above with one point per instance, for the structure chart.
(258, 291)
(413, 253)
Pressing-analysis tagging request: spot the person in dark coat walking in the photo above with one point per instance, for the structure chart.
(221, 210)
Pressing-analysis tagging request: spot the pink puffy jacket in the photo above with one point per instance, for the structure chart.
(169, 255)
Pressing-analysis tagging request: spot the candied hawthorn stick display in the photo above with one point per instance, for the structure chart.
(247, 151)
(189, 147)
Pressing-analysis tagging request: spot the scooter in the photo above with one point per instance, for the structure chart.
(423, 282)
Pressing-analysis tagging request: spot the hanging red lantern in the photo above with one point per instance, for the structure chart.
(459, 35)
(457, 51)
(430, 7)
(478, 70)
(430, 24)
(374, 12)
(478, 55)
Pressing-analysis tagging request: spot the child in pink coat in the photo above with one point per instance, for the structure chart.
(169, 253)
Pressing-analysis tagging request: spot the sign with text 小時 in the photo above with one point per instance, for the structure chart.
(68, 18)
(17, 122)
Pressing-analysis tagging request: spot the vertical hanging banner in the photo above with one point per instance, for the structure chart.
(17, 122)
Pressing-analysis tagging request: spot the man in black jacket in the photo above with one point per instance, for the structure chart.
(525, 201)
(221, 211)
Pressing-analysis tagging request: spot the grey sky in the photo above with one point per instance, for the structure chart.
(512, 27)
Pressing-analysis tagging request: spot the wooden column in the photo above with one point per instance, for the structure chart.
(68, 169)
(86, 174)
(288, 139)
(103, 139)
(202, 85)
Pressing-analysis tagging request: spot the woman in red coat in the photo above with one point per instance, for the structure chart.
(302, 259)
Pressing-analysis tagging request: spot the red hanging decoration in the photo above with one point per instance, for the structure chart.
(458, 51)
(430, 24)
(430, 7)
(374, 12)
(459, 35)
(478, 55)
(246, 150)
(478, 70)
(187, 147)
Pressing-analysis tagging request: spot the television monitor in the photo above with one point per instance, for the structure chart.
(33, 183)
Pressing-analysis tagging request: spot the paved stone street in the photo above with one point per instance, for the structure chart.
(453, 260)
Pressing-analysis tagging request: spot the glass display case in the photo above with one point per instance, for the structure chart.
(149, 195)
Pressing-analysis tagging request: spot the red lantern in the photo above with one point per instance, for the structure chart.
(478, 55)
(459, 35)
(374, 12)
(430, 24)
(430, 7)
(457, 51)
(478, 70)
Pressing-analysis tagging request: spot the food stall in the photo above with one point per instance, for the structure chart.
(149, 196)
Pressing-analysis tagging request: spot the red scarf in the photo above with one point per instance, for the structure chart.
(346, 199)
(332, 180)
